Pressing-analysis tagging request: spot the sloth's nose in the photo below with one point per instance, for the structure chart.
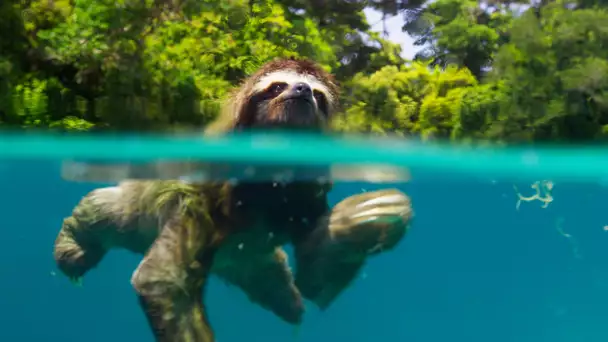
(302, 89)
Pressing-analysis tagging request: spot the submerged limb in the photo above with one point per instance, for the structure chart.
(77, 250)
(264, 277)
(329, 259)
(78, 246)
(170, 281)
(104, 219)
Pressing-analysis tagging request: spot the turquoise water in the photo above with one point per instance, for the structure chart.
(473, 268)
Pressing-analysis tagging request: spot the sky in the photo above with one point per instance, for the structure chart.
(393, 26)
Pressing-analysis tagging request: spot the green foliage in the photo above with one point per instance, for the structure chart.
(410, 99)
(554, 74)
(488, 71)
(136, 65)
(461, 32)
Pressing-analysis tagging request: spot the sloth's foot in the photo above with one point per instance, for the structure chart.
(77, 247)
(357, 227)
(370, 223)
(266, 279)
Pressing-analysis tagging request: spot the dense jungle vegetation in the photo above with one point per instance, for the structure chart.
(490, 70)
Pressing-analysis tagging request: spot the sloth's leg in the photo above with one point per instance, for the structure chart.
(170, 281)
(331, 256)
(79, 246)
(264, 277)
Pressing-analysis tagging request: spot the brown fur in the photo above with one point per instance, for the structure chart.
(189, 232)
(302, 66)
(236, 108)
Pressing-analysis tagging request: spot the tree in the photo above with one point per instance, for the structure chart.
(554, 74)
(491, 70)
(410, 99)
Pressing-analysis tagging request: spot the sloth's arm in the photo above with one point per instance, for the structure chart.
(87, 234)
(265, 278)
(77, 248)
(103, 219)
(170, 281)
(330, 258)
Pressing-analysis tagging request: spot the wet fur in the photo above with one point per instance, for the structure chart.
(188, 232)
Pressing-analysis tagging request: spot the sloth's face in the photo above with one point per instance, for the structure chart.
(286, 99)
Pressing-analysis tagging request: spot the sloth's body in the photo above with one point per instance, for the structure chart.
(188, 232)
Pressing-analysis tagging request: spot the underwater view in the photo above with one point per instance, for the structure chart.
(488, 255)
(304, 170)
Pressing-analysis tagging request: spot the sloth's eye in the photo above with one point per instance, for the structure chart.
(277, 88)
(321, 100)
(319, 96)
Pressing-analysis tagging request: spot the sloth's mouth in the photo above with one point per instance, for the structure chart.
(292, 112)
(300, 110)
(298, 99)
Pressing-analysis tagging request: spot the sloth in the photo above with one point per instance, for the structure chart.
(236, 230)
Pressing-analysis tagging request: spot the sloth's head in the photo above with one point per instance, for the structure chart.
(287, 94)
